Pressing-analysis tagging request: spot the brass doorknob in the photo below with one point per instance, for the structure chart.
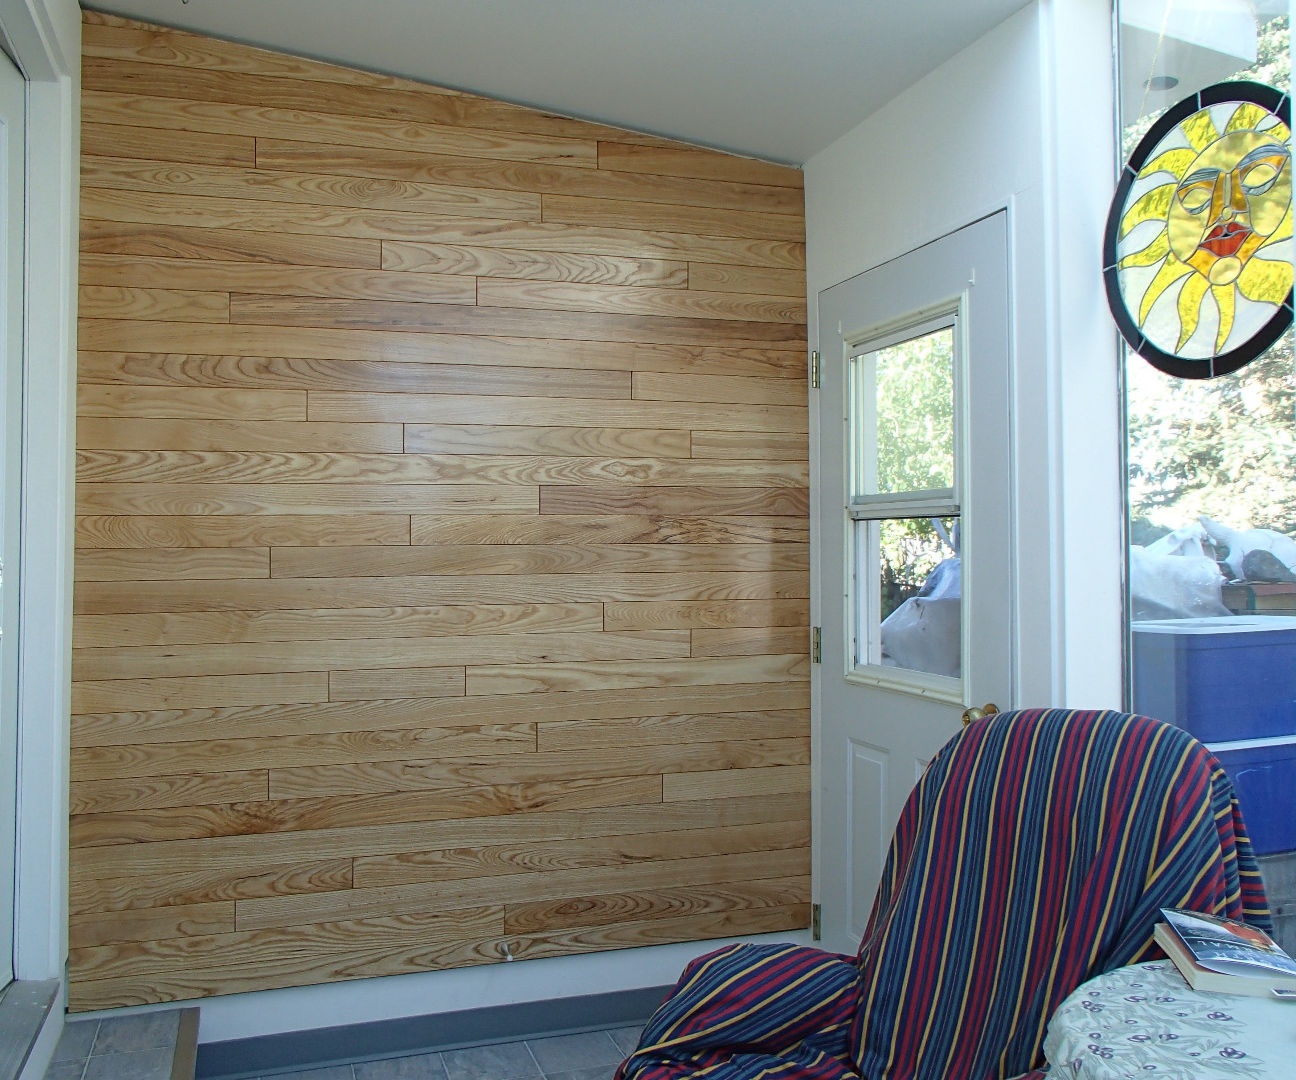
(972, 715)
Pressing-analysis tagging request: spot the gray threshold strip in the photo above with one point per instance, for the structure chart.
(23, 1009)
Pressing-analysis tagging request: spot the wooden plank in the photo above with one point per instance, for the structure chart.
(608, 529)
(414, 727)
(630, 499)
(183, 500)
(751, 640)
(368, 778)
(301, 437)
(187, 789)
(334, 159)
(693, 162)
(112, 695)
(344, 314)
(512, 888)
(383, 653)
(761, 280)
(322, 814)
(599, 442)
(638, 300)
(663, 386)
(214, 181)
(639, 731)
(163, 144)
(603, 674)
(128, 892)
(297, 750)
(421, 682)
(394, 347)
(184, 241)
(706, 221)
(177, 955)
(117, 302)
(417, 561)
(451, 864)
(155, 272)
(731, 783)
(151, 924)
(189, 403)
(615, 909)
(237, 854)
(162, 564)
(264, 120)
(697, 615)
(506, 262)
(284, 530)
(756, 445)
(336, 624)
(111, 37)
(365, 376)
(108, 597)
(569, 412)
(372, 103)
(250, 214)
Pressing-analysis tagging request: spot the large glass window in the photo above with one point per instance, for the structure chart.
(1212, 462)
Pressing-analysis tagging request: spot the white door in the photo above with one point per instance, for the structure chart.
(12, 97)
(916, 544)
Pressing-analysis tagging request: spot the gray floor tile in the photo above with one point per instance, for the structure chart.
(603, 1072)
(332, 1072)
(75, 1042)
(626, 1038)
(143, 1031)
(152, 1064)
(65, 1070)
(500, 1061)
(417, 1067)
(566, 1053)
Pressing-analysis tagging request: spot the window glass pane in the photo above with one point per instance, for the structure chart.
(904, 396)
(1212, 470)
(909, 578)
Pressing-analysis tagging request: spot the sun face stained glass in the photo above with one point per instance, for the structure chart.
(1198, 251)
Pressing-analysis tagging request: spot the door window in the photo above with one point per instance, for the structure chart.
(903, 507)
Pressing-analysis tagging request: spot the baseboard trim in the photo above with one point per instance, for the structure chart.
(318, 1048)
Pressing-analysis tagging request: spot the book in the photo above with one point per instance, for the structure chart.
(1223, 955)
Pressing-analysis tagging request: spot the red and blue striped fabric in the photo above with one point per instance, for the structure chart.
(1033, 855)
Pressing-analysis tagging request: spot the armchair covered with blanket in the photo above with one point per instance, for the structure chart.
(1033, 855)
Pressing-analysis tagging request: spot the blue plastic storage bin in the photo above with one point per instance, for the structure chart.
(1223, 678)
(1264, 777)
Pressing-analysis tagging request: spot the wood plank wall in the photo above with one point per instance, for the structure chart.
(442, 578)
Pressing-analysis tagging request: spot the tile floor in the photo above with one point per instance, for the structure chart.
(138, 1048)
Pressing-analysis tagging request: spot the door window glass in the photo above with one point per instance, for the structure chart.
(903, 512)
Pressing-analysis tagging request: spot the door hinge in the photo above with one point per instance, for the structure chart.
(816, 922)
(814, 370)
(816, 645)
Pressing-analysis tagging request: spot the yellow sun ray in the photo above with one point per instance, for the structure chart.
(1190, 302)
(1154, 206)
(1170, 272)
(1245, 117)
(1172, 161)
(1158, 249)
(1200, 130)
(1226, 298)
(1266, 280)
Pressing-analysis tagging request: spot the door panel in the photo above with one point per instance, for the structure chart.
(915, 534)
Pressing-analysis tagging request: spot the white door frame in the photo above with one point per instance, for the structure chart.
(44, 38)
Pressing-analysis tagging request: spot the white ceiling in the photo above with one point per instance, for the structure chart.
(776, 79)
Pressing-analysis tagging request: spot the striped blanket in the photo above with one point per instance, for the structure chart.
(1032, 856)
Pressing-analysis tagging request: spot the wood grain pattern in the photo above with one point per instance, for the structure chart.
(441, 581)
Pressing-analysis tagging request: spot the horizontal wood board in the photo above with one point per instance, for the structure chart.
(442, 539)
